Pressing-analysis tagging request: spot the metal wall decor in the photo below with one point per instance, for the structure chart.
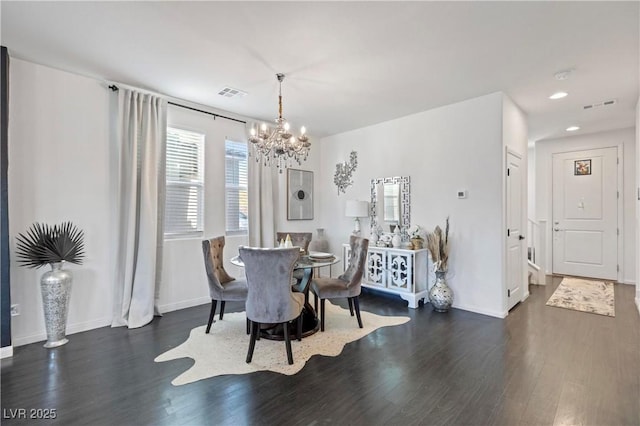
(299, 194)
(344, 172)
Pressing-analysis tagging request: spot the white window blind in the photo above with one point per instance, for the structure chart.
(237, 196)
(184, 203)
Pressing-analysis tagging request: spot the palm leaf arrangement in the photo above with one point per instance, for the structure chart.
(438, 245)
(44, 244)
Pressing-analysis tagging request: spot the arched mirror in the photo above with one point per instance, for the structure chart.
(391, 203)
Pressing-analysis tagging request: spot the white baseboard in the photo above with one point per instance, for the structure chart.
(71, 329)
(6, 352)
(638, 304)
(477, 310)
(525, 297)
(631, 282)
(183, 304)
(32, 338)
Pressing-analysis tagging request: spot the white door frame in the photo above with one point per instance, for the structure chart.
(620, 206)
(620, 190)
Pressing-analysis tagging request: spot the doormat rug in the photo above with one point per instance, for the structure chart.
(596, 297)
(224, 350)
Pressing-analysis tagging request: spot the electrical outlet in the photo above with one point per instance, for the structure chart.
(15, 310)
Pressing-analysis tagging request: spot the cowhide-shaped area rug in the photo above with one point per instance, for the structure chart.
(224, 350)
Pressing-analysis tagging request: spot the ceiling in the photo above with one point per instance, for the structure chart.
(349, 64)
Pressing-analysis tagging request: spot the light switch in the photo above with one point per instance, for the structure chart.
(462, 194)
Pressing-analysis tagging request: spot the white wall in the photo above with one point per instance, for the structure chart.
(637, 194)
(544, 154)
(531, 183)
(184, 282)
(59, 170)
(443, 150)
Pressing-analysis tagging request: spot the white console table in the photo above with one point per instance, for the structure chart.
(398, 271)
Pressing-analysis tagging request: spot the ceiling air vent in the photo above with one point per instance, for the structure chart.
(230, 92)
(610, 102)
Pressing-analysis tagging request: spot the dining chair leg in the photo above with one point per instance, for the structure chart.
(350, 305)
(300, 328)
(322, 314)
(255, 329)
(248, 326)
(287, 342)
(221, 309)
(214, 303)
(356, 305)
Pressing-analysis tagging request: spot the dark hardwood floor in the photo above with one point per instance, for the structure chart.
(539, 366)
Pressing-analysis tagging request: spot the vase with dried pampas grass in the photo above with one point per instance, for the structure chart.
(440, 294)
(438, 245)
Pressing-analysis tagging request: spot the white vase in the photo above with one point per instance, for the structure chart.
(397, 238)
(373, 238)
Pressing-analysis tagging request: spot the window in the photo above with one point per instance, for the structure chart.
(184, 202)
(237, 196)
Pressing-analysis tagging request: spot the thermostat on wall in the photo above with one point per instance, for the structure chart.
(462, 194)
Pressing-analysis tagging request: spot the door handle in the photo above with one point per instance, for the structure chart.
(558, 229)
(521, 237)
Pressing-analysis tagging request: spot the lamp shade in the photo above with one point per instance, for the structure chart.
(356, 208)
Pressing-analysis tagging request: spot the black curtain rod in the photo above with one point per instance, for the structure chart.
(115, 88)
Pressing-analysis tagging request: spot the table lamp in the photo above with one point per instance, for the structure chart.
(357, 209)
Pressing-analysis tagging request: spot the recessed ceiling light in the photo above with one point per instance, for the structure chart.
(558, 95)
(573, 128)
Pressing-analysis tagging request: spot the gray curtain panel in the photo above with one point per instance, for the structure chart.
(141, 133)
(263, 181)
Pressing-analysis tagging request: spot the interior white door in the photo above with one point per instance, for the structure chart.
(515, 237)
(585, 213)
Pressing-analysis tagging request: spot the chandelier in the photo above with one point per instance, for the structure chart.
(279, 146)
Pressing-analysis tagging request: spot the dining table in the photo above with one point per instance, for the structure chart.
(310, 321)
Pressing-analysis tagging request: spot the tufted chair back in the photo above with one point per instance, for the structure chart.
(213, 261)
(268, 272)
(357, 260)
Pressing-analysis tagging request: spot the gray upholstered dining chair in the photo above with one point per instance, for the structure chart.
(346, 285)
(270, 299)
(302, 240)
(222, 286)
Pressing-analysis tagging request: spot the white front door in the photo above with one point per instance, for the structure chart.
(515, 237)
(585, 213)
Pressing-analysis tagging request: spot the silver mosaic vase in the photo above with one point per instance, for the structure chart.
(440, 295)
(56, 291)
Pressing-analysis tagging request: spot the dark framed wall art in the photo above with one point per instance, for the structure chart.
(299, 194)
(582, 167)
